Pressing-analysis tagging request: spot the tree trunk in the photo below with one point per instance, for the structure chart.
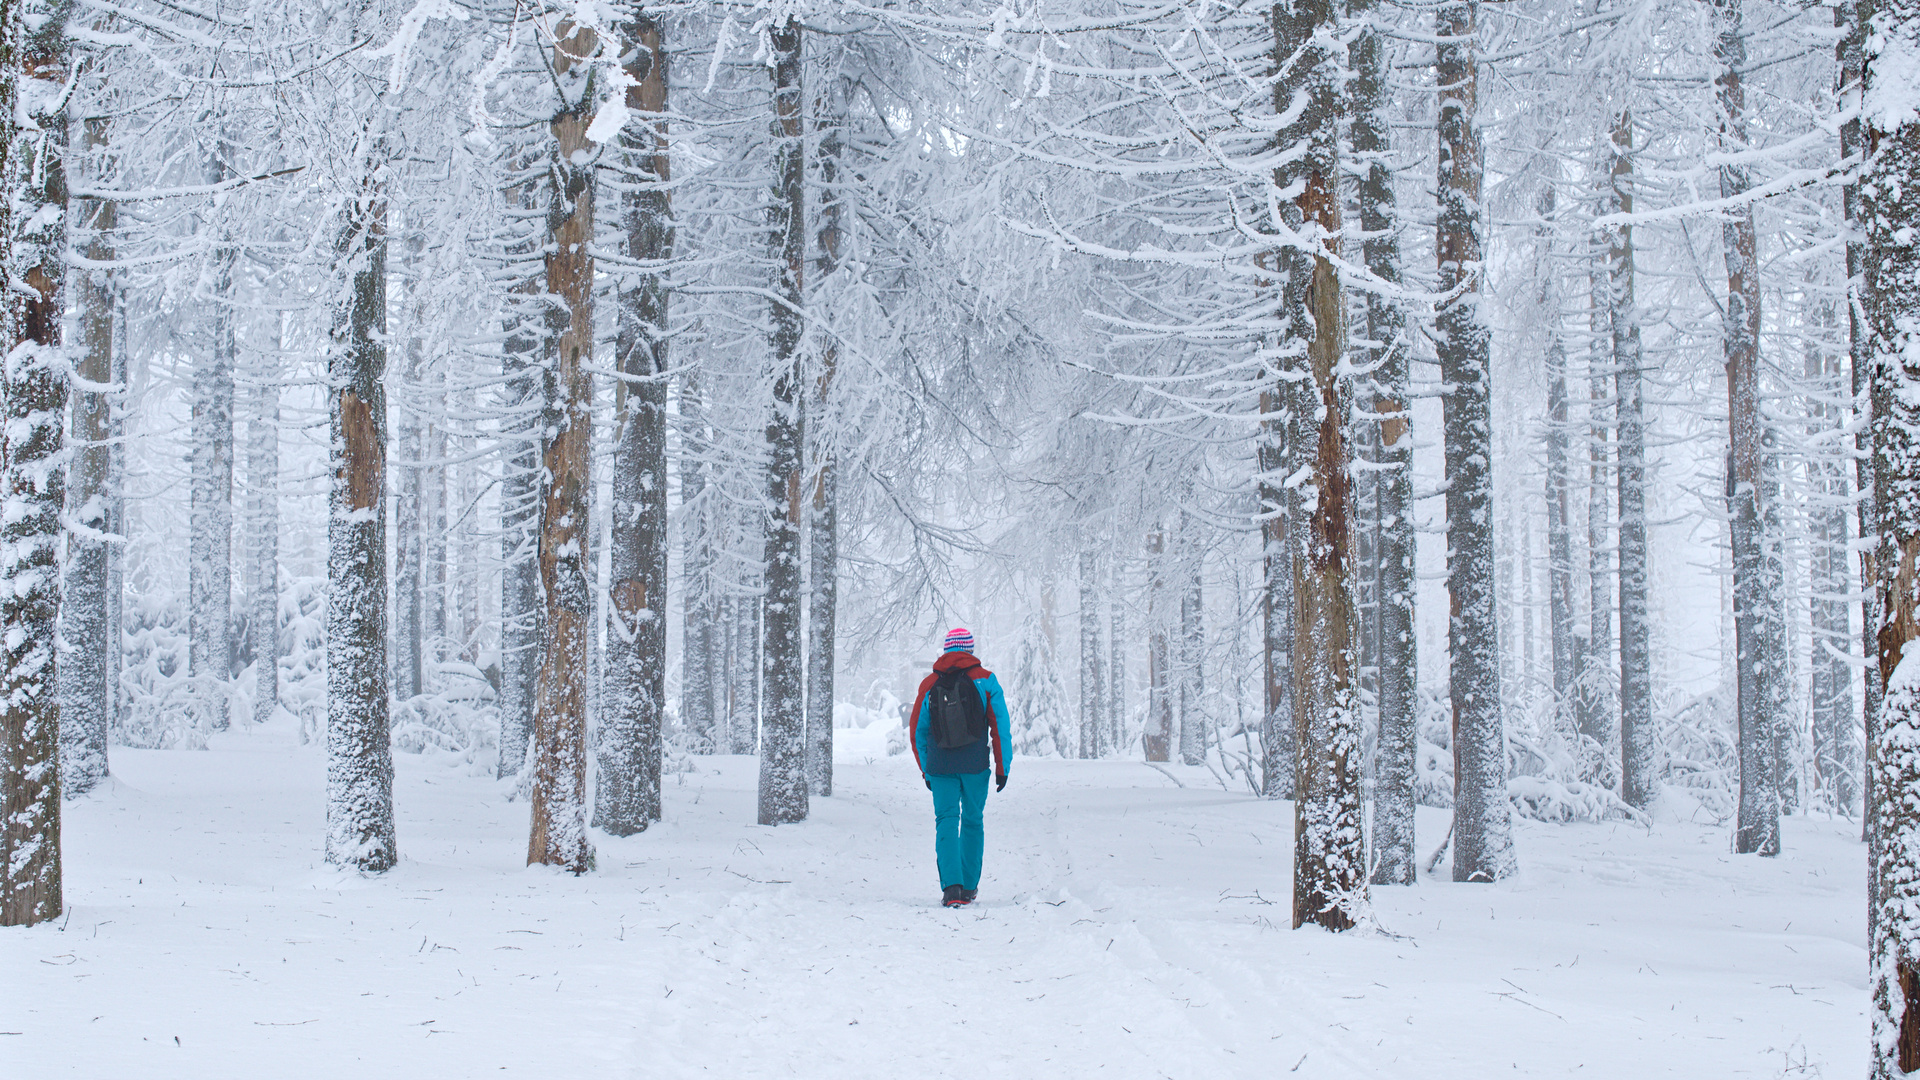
(559, 833)
(1594, 710)
(210, 561)
(1889, 206)
(263, 526)
(35, 386)
(1274, 455)
(1388, 353)
(1639, 777)
(1835, 752)
(522, 613)
(1482, 835)
(1092, 662)
(1155, 740)
(1117, 664)
(360, 830)
(1850, 53)
(1329, 854)
(632, 730)
(1560, 597)
(86, 695)
(824, 537)
(1758, 826)
(1193, 711)
(410, 529)
(699, 633)
(783, 764)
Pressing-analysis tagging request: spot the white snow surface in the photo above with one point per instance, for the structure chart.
(1128, 927)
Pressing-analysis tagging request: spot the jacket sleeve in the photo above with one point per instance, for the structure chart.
(1002, 727)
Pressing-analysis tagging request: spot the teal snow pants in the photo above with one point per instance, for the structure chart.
(959, 827)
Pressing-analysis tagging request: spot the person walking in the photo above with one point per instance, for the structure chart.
(959, 714)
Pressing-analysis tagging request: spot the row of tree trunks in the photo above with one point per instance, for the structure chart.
(632, 728)
(1482, 832)
(783, 765)
(34, 382)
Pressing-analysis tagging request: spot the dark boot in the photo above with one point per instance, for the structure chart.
(951, 896)
(969, 895)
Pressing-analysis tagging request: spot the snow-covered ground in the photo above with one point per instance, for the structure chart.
(1128, 927)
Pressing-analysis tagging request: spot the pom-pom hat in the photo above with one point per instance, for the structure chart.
(959, 638)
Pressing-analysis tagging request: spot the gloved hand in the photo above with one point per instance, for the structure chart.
(1000, 782)
(924, 780)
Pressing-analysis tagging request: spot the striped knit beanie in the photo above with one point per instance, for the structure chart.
(960, 639)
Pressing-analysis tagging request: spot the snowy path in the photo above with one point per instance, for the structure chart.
(1129, 928)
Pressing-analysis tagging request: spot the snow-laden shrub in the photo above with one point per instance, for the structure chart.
(1042, 725)
(303, 654)
(1701, 739)
(1433, 749)
(1560, 801)
(155, 693)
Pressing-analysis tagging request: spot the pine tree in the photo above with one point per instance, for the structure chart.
(1638, 779)
(632, 730)
(86, 696)
(1889, 207)
(1389, 355)
(35, 387)
(360, 832)
(210, 562)
(700, 636)
(1329, 855)
(1758, 827)
(558, 836)
(783, 764)
(1482, 836)
(263, 524)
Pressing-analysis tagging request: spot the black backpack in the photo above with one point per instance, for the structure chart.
(954, 710)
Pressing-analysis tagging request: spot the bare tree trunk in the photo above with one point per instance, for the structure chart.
(1595, 698)
(783, 764)
(360, 831)
(1850, 53)
(1639, 776)
(210, 565)
(522, 612)
(1836, 755)
(1092, 662)
(1758, 825)
(410, 530)
(35, 386)
(559, 833)
(632, 730)
(1396, 753)
(1274, 456)
(86, 695)
(824, 536)
(1193, 710)
(263, 525)
(1155, 740)
(1482, 831)
(1329, 855)
(698, 614)
(1117, 664)
(1889, 207)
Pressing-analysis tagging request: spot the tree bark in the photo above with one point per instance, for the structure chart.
(360, 831)
(34, 382)
(410, 527)
(824, 536)
(1155, 740)
(522, 612)
(1482, 831)
(263, 525)
(699, 634)
(1193, 710)
(1594, 711)
(1388, 353)
(1836, 756)
(783, 765)
(1092, 660)
(1274, 455)
(559, 832)
(210, 564)
(1889, 205)
(1117, 664)
(86, 697)
(632, 732)
(1757, 829)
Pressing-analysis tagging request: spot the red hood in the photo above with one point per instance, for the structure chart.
(955, 659)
